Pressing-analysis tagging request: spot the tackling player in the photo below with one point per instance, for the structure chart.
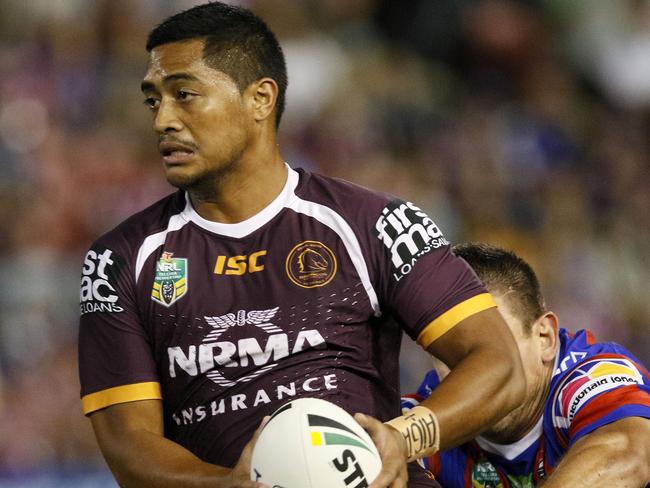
(585, 421)
(256, 283)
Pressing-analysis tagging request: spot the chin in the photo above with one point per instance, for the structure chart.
(182, 180)
(502, 432)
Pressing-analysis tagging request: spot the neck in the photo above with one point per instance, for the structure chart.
(242, 190)
(525, 417)
(534, 409)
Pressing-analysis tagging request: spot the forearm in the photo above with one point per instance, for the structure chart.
(615, 455)
(150, 460)
(597, 468)
(131, 437)
(479, 390)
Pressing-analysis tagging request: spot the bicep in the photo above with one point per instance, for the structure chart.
(485, 364)
(629, 435)
(625, 444)
(116, 363)
(485, 329)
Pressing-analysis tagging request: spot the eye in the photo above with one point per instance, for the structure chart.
(184, 96)
(151, 103)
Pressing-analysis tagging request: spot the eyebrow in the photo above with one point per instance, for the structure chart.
(146, 86)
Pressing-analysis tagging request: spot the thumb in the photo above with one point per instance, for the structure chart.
(366, 421)
(247, 453)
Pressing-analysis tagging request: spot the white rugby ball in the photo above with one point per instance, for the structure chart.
(312, 443)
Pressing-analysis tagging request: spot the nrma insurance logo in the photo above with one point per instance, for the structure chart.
(232, 351)
(588, 380)
(408, 233)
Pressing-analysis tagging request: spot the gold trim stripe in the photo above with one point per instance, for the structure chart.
(120, 394)
(453, 316)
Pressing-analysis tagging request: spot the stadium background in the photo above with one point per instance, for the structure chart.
(526, 124)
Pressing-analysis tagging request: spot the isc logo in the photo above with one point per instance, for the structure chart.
(239, 265)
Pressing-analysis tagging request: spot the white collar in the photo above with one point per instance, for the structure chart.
(251, 224)
(511, 451)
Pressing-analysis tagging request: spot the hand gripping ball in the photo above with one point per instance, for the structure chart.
(312, 443)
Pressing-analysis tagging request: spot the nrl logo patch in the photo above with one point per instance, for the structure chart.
(170, 282)
(484, 475)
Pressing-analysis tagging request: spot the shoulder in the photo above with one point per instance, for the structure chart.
(109, 265)
(581, 353)
(340, 195)
(127, 237)
(595, 380)
(389, 219)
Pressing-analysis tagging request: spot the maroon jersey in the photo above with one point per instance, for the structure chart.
(225, 322)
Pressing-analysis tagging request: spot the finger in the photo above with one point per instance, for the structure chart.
(243, 467)
(367, 422)
(391, 477)
(399, 483)
(248, 449)
(394, 473)
(257, 484)
(251, 484)
(402, 478)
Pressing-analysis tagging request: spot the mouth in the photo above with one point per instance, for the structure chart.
(175, 153)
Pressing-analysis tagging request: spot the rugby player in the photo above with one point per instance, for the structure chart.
(256, 283)
(585, 421)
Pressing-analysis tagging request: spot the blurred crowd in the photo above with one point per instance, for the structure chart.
(521, 123)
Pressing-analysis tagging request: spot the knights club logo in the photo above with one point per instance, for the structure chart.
(170, 282)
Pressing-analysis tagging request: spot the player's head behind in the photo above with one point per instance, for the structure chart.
(236, 42)
(508, 276)
(516, 291)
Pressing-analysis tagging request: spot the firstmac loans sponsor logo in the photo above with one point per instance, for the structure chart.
(409, 234)
(97, 292)
(588, 380)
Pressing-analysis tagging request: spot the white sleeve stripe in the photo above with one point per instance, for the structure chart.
(334, 221)
(154, 241)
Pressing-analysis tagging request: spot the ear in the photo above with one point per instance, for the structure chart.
(546, 328)
(264, 95)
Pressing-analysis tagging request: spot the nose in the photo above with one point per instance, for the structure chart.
(166, 119)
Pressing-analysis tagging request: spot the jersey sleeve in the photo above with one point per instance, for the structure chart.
(422, 283)
(116, 362)
(600, 391)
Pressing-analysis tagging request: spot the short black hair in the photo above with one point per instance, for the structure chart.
(237, 43)
(505, 273)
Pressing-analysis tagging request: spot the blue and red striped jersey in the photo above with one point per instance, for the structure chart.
(593, 384)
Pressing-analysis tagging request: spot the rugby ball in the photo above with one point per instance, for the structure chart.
(312, 443)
